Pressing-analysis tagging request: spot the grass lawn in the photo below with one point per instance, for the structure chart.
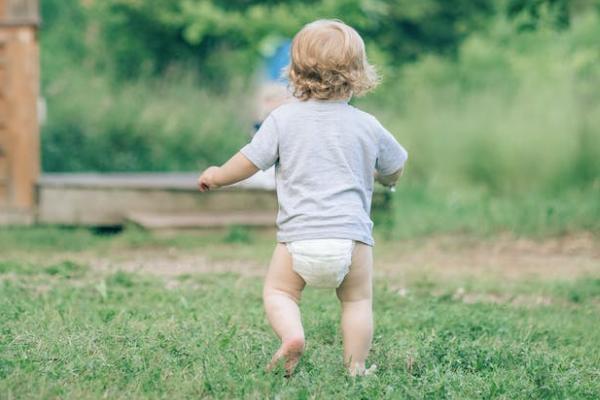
(76, 322)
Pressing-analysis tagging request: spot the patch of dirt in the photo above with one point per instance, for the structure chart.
(439, 258)
(451, 261)
(501, 258)
(511, 299)
(502, 298)
(173, 263)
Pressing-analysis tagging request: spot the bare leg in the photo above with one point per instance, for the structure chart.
(355, 294)
(281, 295)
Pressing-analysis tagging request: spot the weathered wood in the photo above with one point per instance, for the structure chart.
(108, 199)
(16, 217)
(19, 81)
(253, 218)
(147, 180)
(159, 199)
(19, 11)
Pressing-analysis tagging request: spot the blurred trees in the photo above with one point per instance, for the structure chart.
(222, 39)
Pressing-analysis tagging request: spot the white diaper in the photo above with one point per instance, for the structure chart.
(322, 263)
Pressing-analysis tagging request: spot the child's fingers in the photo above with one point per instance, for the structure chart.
(202, 185)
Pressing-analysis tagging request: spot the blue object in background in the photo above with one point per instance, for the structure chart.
(279, 59)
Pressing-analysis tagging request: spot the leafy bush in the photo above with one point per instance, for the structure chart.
(223, 39)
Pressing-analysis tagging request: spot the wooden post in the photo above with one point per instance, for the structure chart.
(19, 90)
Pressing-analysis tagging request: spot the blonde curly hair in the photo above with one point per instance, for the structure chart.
(329, 62)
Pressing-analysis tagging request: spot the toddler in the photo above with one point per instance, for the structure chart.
(326, 155)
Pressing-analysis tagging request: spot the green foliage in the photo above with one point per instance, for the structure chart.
(63, 269)
(121, 279)
(147, 125)
(580, 291)
(14, 267)
(133, 38)
(64, 25)
(530, 13)
(422, 211)
(67, 269)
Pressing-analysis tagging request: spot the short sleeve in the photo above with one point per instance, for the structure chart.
(391, 156)
(263, 150)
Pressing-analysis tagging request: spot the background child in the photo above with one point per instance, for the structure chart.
(325, 154)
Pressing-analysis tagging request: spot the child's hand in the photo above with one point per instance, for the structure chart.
(208, 179)
(389, 180)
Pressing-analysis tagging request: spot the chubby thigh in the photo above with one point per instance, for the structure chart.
(281, 276)
(358, 284)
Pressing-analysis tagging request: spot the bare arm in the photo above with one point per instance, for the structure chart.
(389, 180)
(236, 169)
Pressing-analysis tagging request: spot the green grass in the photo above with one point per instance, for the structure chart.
(229, 244)
(68, 330)
(124, 335)
(420, 211)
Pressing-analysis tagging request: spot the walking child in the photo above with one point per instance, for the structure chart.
(327, 155)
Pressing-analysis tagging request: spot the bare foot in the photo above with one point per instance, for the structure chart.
(360, 370)
(291, 350)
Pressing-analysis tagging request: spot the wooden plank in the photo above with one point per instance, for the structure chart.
(2, 81)
(110, 206)
(203, 220)
(3, 75)
(3, 168)
(166, 181)
(150, 181)
(2, 53)
(112, 199)
(19, 10)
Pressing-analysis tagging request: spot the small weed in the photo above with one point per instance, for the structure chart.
(107, 230)
(238, 234)
(121, 279)
(67, 269)
(14, 267)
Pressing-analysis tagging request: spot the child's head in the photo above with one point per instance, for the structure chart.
(329, 62)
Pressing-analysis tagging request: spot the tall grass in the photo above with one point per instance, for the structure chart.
(424, 210)
(514, 113)
(149, 125)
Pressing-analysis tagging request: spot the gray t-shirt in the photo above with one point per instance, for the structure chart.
(325, 154)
